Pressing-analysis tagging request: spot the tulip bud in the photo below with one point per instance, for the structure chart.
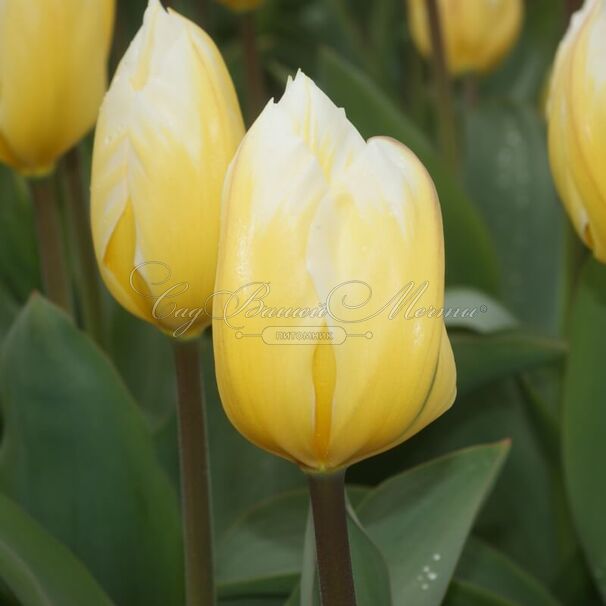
(167, 130)
(53, 74)
(477, 33)
(322, 236)
(241, 6)
(576, 113)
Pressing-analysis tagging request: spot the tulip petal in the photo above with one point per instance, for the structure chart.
(168, 129)
(52, 76)
(380, 212)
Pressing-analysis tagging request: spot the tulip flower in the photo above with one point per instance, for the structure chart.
(576, 113)
(167, 130)
(53, 74)
(314, 214)
(477, 33)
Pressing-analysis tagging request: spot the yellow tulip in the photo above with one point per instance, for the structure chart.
(314, 214)
(576, 113)
(477, 33)
(167, 130)
(241, 6)
(53, 74)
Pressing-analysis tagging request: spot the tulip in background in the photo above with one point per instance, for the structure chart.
(167, 130)
(477, 33)
(576, 114)
(309, 206)
(53, 75)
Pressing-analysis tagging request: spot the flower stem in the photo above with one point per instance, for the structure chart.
(444, 103)
(327, 493)
(195, 476)
(254, 74)
(81, 234)
(50, 242)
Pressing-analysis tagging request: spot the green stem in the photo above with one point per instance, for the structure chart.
(50, 242)
(254, 74)
(444, 103)
(195, 476)
(88, 282)
(327, 493)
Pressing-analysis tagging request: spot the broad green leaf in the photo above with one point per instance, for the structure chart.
(371, 572)
(474, 310)
(371, 575)
(486, 358)
(261, 553)
(37, 569)
(525, 511)
(466, 594)
(584, 419)
(471, 259)
(78, 457)
(420, 519)
(486, 567)
(143, 356)
(509, 178)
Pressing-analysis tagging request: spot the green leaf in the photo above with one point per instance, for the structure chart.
(486, 358)
(466, 594)
(529, 527)
(488, 568)
(78, 457)
(371, 573)
(471, 259)
(509, 178)
(143, 356)
(421, 518)
(584, 419)
(261, 553)
(37, 569)
(474, 310)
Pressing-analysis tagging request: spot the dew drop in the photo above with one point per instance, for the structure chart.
(437, 557)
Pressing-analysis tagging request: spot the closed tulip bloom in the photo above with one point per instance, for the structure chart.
(53, 74)
(576, 113)
(241, 6)
(318, 214)
(167, 130)
(477, 33)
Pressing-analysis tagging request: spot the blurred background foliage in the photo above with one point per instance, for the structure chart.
(89, 460)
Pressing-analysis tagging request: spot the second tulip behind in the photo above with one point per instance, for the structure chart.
(167, 130)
